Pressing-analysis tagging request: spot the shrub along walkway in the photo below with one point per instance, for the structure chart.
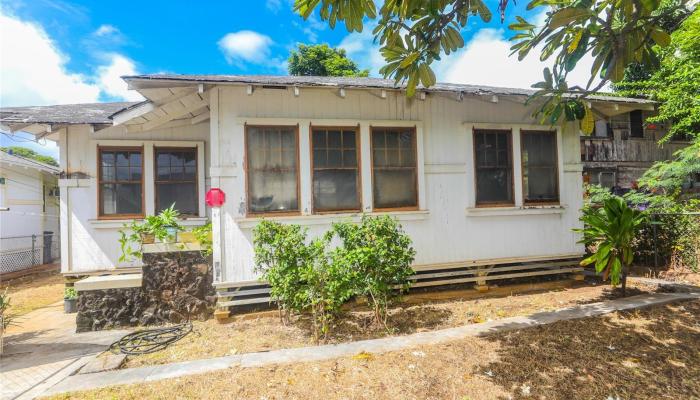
(326, 352)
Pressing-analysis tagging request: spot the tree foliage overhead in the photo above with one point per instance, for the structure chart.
(414, 33)
(322, 60)
(676, 83)
(31, 154)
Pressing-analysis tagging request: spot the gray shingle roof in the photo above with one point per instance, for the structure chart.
(90, 113)
(352, 82)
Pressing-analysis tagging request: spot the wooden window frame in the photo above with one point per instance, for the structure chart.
(195, 149)
(100, 204)
(487, 204)
(250, 213)
(358, 178)
(415, 167)
(524, 132)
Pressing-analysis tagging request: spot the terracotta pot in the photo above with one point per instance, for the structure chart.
(147, 238)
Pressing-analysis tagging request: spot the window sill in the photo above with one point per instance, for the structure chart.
(515, 211)
(322, 219)
(119, 223)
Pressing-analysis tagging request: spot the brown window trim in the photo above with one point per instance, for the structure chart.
(155, 175)
(358, 152)
(247, 171)
(415, 168)
(524, 132)
(486, 204)
(100, 214)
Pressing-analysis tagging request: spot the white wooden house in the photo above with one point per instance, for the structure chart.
(469, 173)
(29, 217)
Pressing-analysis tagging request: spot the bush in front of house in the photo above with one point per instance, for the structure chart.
(311, 276)
(672, 229)
(379, 254)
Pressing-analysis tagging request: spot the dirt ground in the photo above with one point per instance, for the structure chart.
(33, 292)
(672, 273)
(651, 353)
(212, 339)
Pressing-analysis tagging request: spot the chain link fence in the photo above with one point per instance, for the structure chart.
(22, 252)
(670, 238)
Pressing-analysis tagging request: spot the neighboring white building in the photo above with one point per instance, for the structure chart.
(469, 173)
(29, 217)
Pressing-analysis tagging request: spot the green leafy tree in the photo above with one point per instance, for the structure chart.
(676, 84)
(413, 34)
(670, 176)
(322, 60)
(611, 229)
(31, 154)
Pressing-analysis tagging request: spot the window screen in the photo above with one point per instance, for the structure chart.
(394, 170)
(272, 165)
(120, 181)
(494, 166)
(335, 169)
(176, 179)
(539, 160)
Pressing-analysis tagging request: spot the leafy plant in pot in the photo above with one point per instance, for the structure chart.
(70, 300)
(162, 228)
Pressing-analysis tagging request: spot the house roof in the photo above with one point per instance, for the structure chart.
(146, 81)
(90, 113)
(14, 159)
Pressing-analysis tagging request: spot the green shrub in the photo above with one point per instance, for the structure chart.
(379, 254)
(675, 231)
(372, 259)
(70, 293)
(611, 229)
(203, 236)
(303, 276)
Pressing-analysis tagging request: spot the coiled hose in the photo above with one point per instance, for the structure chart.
(150, 340)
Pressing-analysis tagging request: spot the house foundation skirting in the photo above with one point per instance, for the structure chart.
(481, 274)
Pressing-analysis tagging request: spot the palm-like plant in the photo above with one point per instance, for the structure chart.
(611, 230)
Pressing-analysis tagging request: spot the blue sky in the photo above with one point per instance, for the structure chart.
(63, 51)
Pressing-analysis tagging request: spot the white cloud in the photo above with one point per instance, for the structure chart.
(486, 60)
(360, 47)
(246, 46)
(106, 30)
(109, 78)
(33, 70)
(273, 5)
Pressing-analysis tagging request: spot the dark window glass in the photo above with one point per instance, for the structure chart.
(636, 124)
(394, 170)
(539, 159)
(494, 167)
(120, 176)
(272, 169)
(176, 179)
(335, 169)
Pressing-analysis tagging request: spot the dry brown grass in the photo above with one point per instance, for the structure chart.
(211, 339)
(646, 354)
(33, 292)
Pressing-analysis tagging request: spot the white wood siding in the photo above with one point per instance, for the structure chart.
(446, 229)
(91, 244)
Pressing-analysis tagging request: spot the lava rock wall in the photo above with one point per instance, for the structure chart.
(176, 286)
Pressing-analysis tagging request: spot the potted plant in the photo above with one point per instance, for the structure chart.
(70, 300)
(161, 228)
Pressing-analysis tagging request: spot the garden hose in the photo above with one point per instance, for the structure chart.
(150, 340)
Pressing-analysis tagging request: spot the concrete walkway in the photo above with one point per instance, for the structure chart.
(317, 353)
(43, 349)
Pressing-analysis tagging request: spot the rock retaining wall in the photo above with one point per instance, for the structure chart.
(176, 286)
